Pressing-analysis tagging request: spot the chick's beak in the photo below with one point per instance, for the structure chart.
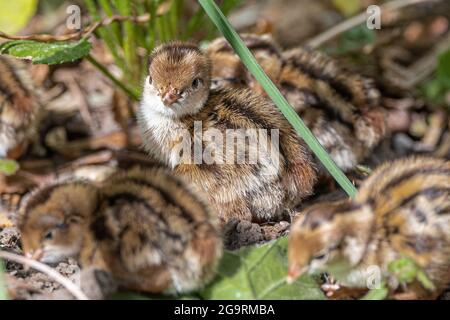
(294, 272)
(170, 97)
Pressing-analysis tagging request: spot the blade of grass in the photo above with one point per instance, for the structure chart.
(194, 24)
(166, 25)
(216, 15)
(229, 5)
(113, 47)
(151, 7)
(174, 17)
(129, 40)
(115, 26)
(141, 31)
(162, 30)
(3, 293)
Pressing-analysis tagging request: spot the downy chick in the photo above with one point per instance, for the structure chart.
(340, 107)
(403, 209)
(229, 71)
(219, 139)
(19, 108)
(144, 227)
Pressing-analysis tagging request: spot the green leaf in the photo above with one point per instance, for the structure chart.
(46, 53)
(425, 281)
(259, 273)
(347, 7)
(221, 22)
(404, 269)
(14, 15)
(3, 292)
(433, 89)
(443, 69)
(356, 38)
(436, 88)
(377, 294)
(8, 167)
(407, 271)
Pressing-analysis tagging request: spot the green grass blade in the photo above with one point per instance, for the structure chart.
(139, 8)
(193, 24)
(151, 34)
(107, 37)
(229, 5)
(129, 40)
(161, 25)
(115, 27)
(3, 293)
(174, 12)
(216, 15)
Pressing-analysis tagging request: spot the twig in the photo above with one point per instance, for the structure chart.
(96, 158)
(357, 20)
(76, 35)
(86, 32)
(66, 283)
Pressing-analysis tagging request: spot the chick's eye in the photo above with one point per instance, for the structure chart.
(321, 256)
(49, 235)
(150, 80)
(196, 83)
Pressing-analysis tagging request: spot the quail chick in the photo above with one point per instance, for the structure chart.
(340, 107)
(146, 228)
(353, 99)
(402, 210)
(179, 113)
(228, 70)
(19, 108)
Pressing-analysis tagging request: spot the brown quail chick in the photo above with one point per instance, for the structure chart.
(219, 139)
(340, 107)
(229, 71)
(402, 210)
(19, 108)
(144, 227)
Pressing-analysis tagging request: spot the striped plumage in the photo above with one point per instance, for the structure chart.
(411, 200)
(19, 108)
(229, 71)
(145, 227)
(333, 79)
(243, 190)
(403, 209)
(341, 107)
